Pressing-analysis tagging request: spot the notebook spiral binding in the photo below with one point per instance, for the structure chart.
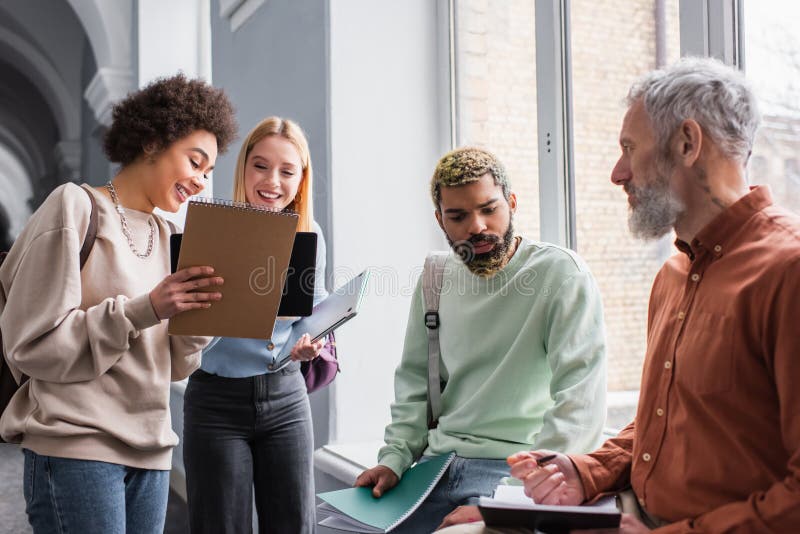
(424, 496)
(208, 201)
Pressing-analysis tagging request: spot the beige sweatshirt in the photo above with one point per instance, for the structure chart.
(99, 359)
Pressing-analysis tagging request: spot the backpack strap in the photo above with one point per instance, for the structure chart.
(173, 228)
(86, 249)
(91, 231)
(432, 276)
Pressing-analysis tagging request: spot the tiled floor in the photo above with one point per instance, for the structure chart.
(12, 505)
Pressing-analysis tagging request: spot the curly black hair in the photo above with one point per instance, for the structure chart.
(166, 110)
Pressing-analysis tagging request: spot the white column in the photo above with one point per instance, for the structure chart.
(174, 36)
(107, 87)
(68, 158)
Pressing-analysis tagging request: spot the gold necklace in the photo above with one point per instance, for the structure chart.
(126, 231)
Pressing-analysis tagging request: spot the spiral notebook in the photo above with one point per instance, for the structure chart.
(298, 291)
(250, 248)
(356, 510)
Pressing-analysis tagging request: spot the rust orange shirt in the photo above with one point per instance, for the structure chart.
(715, 446)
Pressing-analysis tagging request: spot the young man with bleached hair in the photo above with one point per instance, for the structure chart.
(522, 349)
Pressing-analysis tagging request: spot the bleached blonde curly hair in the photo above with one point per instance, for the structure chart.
(465, 165)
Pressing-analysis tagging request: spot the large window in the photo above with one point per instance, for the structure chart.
(495, 67)
(772, 63)
(610, 49)
(497, 84)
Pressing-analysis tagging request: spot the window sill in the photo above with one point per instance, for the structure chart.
(345, 461)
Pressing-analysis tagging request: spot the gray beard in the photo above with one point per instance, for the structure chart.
(656, 209)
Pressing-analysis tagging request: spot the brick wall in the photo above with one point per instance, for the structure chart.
(496, 85)
(612, 43)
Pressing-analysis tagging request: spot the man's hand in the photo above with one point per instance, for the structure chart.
(179, 292)
(462, 514)
(628, 525)
(380, 478)
(555, 482)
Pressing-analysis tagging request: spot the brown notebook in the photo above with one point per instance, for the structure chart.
(250, 248)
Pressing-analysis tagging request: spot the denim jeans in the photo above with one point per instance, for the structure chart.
(68, 496)
(465, 481)
(246, 433)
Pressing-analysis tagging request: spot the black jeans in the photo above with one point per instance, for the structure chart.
(245, 433)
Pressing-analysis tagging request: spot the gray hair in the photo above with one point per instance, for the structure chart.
(703, 89)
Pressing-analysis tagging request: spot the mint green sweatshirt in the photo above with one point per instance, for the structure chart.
(523, 353)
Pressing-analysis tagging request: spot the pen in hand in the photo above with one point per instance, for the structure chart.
(544, 459)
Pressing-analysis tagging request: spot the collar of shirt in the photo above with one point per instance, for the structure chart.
(715, 236)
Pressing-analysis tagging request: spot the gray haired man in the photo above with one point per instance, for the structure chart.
(715, 445)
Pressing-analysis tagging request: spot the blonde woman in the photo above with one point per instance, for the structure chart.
(245, 426)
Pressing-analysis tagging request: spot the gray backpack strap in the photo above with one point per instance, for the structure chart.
(432, 276)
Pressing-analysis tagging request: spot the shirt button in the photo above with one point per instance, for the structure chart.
(646, 457)
(717, 248)
(695, 277)
(681, 315)
(270, 345)
(667, 364)
(659, 412)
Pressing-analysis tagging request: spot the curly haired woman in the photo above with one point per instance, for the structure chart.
(93, 419)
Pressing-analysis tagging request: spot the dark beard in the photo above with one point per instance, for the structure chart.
(488, 263)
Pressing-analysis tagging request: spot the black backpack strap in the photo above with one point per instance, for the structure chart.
(91, 232)
(7, 384)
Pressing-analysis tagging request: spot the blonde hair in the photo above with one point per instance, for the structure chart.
(465, 165)
(302, 203)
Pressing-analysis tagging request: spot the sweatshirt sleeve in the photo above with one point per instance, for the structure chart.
(186, 352)
(46, 334)
(407, 435)
(575, 344)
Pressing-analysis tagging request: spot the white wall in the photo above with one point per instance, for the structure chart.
(174, 36)
(386, 137)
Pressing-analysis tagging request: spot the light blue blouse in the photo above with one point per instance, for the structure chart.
(239, 357)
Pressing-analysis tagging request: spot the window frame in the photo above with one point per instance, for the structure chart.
(707, 28)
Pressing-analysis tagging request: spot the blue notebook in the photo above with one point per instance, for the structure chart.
(356, 510)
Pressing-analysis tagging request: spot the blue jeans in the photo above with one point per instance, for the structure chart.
(465, 481)
(68, 496)
(246, 433)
